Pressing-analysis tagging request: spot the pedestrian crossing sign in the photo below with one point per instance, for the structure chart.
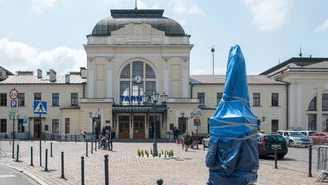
(40, 107)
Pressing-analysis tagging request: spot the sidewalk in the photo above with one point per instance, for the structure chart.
(125, 167)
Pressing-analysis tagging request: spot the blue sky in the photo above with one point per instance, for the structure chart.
(49, 34)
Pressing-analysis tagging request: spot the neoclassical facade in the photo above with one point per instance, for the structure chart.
(131, 55)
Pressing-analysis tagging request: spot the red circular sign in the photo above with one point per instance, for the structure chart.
(13, 94)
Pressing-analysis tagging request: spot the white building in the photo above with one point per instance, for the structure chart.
(134, 53)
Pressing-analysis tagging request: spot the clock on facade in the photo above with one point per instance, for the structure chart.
(137, 79)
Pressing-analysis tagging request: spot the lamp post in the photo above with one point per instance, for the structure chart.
(155, 97)
(97, 129)
(90, 116)
(13, 148)
(259, 123)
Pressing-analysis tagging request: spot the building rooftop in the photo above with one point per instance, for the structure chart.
(60, 79)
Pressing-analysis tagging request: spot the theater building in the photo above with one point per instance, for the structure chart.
(135, 54)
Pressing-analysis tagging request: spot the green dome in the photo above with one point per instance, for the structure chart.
(120, 18)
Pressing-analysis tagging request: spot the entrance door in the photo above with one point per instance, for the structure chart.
(139, 127)
(152, 129)
(124, 126)
(182, 125)
(36, 128)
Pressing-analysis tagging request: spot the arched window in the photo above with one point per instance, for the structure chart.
(313, 104)
(130, 91)
(325, 101)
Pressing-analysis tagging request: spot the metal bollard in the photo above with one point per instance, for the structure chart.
(106, 170)
(159, 181)
(275, 158)
(82, 170)
(17, 154)
(86, 148)
(310, 161)
(62, 165)
(31, 155)
(91, 147)
(95, 145)
(51, 149)
(46, 158)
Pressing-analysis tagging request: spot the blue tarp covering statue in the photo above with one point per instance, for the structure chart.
(232, 156)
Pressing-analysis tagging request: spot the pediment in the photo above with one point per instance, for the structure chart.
(137, 30)
(323, 64)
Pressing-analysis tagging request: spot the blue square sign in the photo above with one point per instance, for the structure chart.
(40, 107)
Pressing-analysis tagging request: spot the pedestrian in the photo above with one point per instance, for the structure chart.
(110, 140)
(151, 132)
(103, 131)
(186, 140)
(84, 135)
(175, 133)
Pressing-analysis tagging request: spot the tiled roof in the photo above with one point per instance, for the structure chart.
(220, 79)
(60, 79)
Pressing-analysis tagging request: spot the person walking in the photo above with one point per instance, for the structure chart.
(186, 140)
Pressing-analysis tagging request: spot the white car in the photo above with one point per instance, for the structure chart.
(295, 138)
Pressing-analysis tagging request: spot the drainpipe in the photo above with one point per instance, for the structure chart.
(191, 87)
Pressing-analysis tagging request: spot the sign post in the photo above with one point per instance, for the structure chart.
(40, 107)
(13, 94)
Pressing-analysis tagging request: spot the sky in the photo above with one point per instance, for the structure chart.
(49, 34)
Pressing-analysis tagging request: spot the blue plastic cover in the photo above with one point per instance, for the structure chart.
(232, 156)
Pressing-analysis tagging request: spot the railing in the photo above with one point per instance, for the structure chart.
(322, 163)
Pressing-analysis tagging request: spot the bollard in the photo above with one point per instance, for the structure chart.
(159, 181)
(31, 155)
(51, 149)
(86, 148)
(62, 165)
(310, 161)
(95, 145)
(46, 158)
(82, 170)
(17, 154)
(275, 158)
(91, 147)
(106, 170)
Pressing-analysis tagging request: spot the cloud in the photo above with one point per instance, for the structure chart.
(39, 6)
(16, 56)
(184, 7)
(323, 26)
(268, 14)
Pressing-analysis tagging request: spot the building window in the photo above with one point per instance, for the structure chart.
(74, 99)
(274, 99)
(325, 101)
(218, 98)
(3, 125)
(201, 97)
(67, 126)
(21, 127)
(256, 99)
(55, 99)
(55, 126)
(313, 104)
(21, 99)
(37, 96)
(129, 88)
(3, 101)
(312, 122)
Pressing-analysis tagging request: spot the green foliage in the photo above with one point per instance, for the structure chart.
(139, 153)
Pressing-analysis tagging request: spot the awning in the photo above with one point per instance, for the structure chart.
(139, 109)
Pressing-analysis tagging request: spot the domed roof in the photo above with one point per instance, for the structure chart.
(120, 18)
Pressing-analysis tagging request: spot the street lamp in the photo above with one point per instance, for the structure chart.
(13, 118)
(97, 129)
(90, 116)
(259, 122)
(155, 97)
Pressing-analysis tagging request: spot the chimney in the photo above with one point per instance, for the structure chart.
(39, 73)
(52, 75)
(67, 78)
(83, 72)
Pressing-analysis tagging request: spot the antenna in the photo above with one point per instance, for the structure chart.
(135, 6)
(212, 50)
(300, 51)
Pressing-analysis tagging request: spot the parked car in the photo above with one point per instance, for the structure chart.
(295, 138)
(308, 133)
(319, 138)
(206, 141)
(267, 142)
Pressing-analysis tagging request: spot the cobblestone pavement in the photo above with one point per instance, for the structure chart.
(125, 167)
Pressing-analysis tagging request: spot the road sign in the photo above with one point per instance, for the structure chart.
(13, 103)
(40, 107)
(12, 113)
(24, 121)
(13, 94)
